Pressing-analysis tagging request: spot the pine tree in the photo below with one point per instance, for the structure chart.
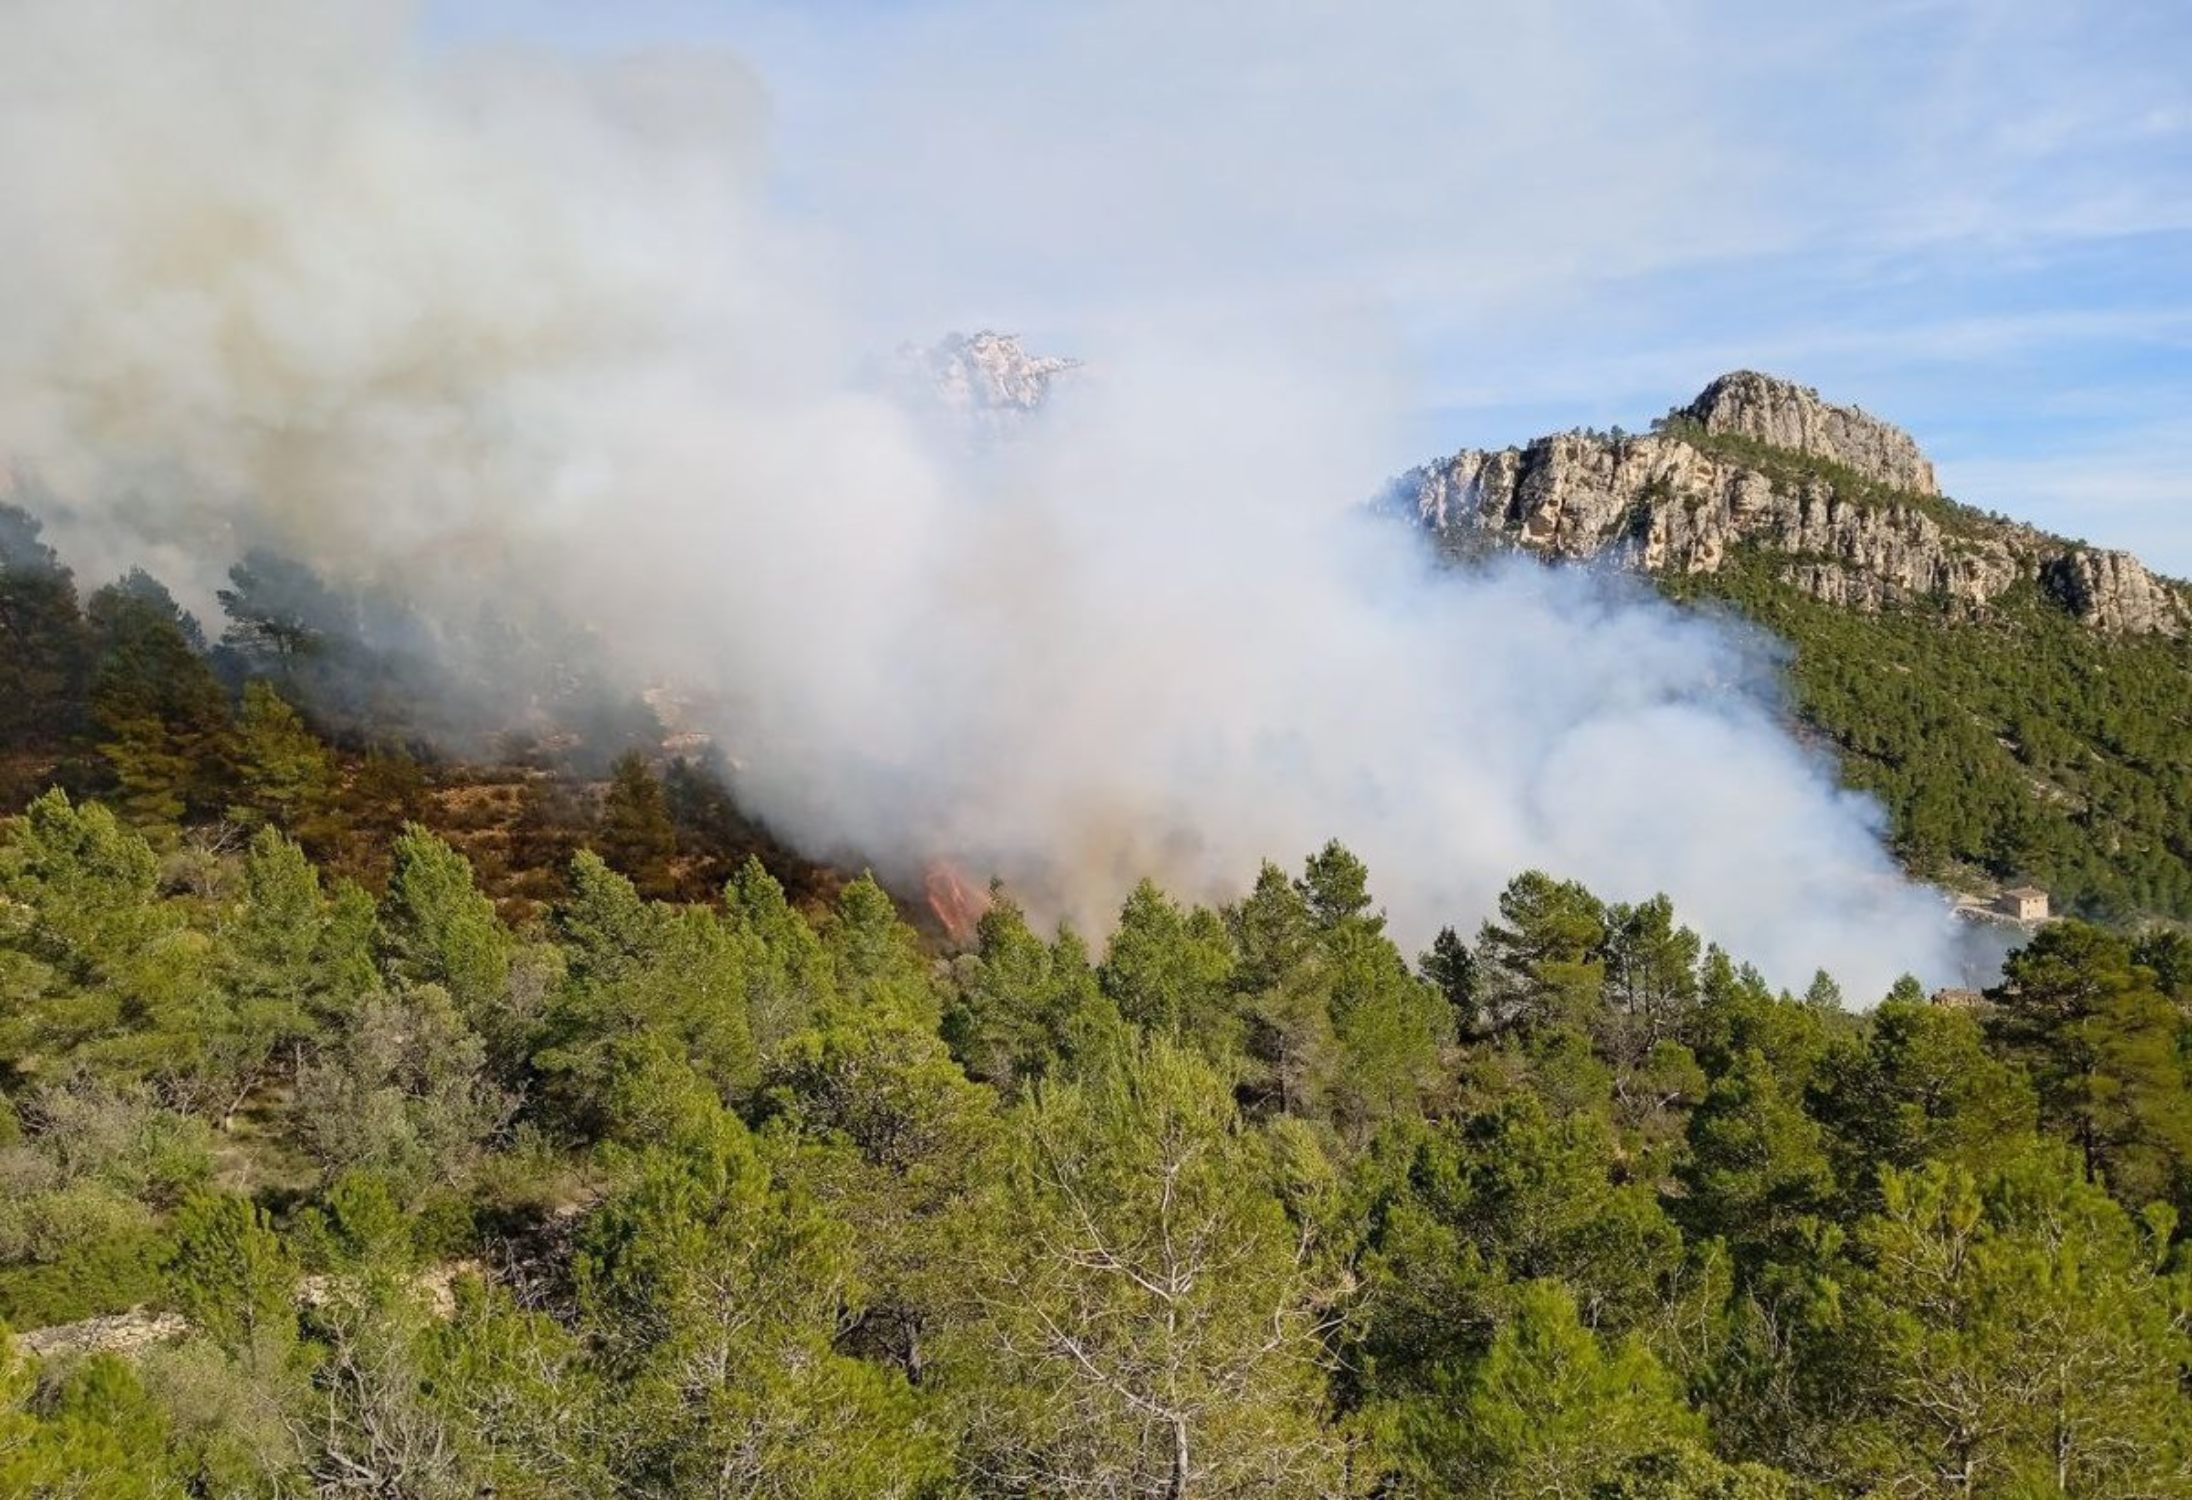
(636, 836)
(44, 652)
(91, 1433)
(1546, 1410)
(1283, 993)
(1453, 968)
(1651, 978)
(1167, 969)
(163, 720)
(281, 616)
(1023, 1005)
(908, 1149)
(875, 958)
(230, 1275)
(2102, 1045)
(1466, 1211)
(438, 929)
(112, 975)
(1543, 963)
(285, 775)
(2017, 1336)
(1158, 1322)
(1758, 1164)
(714, 1297)
(643, 982)
(1924, 1088)
(790, 978)
(1389, 1024)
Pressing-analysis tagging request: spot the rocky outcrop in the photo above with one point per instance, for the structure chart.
(1661, 504)
(985, 378)
(114, 1333)
(1848, 588)
(1784, 415)
(2114, 591)
(1673, 501)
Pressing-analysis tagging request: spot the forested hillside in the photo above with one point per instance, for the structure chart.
(683, 1169)
(119, 694)
(2013, 746)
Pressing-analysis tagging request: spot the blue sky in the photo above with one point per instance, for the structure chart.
(1972, 218)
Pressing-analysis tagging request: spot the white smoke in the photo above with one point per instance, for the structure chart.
(512, 323)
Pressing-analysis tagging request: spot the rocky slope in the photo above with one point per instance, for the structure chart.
(983, 378)
(1846, 504)
(1747, 404)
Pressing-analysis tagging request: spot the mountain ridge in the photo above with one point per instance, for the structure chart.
(2020, 703)
(1846, 504)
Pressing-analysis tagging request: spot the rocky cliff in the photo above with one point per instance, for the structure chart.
(1781, 415)
(2114, 591)
(1844, 505)
(983, 378)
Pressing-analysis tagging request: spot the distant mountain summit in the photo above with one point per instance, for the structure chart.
(985, 378)
(1840, 504)
(1782, 414)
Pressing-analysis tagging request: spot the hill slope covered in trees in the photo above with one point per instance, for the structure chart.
(630, 1155)
(740, 1199)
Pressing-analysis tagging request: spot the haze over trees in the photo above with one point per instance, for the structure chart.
(610, 1163)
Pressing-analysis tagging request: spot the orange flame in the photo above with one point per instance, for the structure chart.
(956, 905)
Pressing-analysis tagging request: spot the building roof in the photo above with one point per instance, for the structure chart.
(2026, 893)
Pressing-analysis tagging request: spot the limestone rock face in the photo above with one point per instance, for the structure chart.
(114, 1333)
(1785, 415)
(1663, 503)
(2114, 591)
(986, 378)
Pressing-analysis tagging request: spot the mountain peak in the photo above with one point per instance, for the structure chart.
(1783, 414)
(985, 376)
(1862, 526)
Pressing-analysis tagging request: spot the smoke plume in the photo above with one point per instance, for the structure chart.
(515, 325)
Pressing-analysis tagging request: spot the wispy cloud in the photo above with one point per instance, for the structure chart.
(1955, 211)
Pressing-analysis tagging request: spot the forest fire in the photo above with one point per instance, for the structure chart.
(956, 904)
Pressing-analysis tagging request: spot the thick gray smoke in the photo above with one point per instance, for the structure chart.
(514, 324)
